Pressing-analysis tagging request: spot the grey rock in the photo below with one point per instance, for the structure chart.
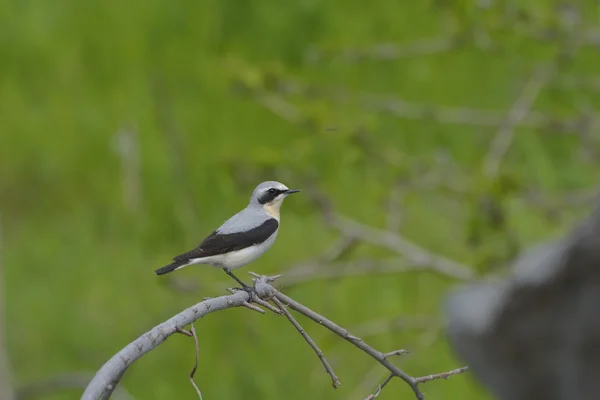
(536, 335)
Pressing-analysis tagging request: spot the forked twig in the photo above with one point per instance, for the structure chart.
(380, 388)
(335, 382)
(192, 333)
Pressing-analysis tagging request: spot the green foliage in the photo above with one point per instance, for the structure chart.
(197, 81)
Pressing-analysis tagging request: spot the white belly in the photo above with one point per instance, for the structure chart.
(237, 259)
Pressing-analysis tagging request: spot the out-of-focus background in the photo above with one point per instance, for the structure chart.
(130, 130)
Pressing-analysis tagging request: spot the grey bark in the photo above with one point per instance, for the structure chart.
(106, 379)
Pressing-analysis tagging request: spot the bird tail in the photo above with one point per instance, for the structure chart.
(170, 268)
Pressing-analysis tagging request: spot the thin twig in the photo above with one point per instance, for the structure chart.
(516, 114)
(443, 375)
(380, 388)
(395, 353)
(280, 107)
(193, 332)
(183, 331)
(253, 307)
(401, 108)
(110, 374)
(370, 380)
(356, 341)
(335, 382)
(108, 377)
(317, 271)
(266, 305)
(390, 51)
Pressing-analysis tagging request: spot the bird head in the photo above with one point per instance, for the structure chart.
(270, 195)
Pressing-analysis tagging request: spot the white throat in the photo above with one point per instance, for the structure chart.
(273, 207)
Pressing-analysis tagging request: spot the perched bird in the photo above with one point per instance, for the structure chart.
(242, 238)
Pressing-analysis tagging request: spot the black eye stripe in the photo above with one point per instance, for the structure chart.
(269, 195)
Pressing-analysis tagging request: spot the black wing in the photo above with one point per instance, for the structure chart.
(218, 243)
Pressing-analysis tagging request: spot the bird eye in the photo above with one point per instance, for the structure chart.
(273, 191)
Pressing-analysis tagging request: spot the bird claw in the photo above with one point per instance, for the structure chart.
(251, 292)
(248, 289)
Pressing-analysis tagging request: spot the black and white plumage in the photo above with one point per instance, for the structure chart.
(242, 238)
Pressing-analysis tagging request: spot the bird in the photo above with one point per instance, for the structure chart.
(242, 238)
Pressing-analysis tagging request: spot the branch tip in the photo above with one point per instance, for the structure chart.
(395, 353)
(253, 307)
(335, 381)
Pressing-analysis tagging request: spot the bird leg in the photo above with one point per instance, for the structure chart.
(245, 287)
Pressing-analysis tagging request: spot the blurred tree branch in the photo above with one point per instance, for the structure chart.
(108, 377)
(126, 145)
(273, 98)
(388, 51)
(519, 111)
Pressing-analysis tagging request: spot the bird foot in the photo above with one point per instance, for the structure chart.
(248, 289)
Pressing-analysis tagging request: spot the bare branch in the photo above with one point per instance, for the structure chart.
(443, 375)
(405, 109)
(193, 332)
(317, 271)
(356, 341)
(280, 107)
(108, 377)
(370, 380)
(380, 388)
(516, 114)
(183, 332)
(395, 353)
(576, 199)
(258, 300)
(335, 382)
(362, 345)
(411, 251)
(253, 307)
(390, 51)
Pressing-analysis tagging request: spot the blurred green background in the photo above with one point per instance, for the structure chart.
(130, 130)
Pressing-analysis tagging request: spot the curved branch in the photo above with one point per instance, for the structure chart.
(107, 378)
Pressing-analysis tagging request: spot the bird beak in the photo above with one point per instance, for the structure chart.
(290, 191)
